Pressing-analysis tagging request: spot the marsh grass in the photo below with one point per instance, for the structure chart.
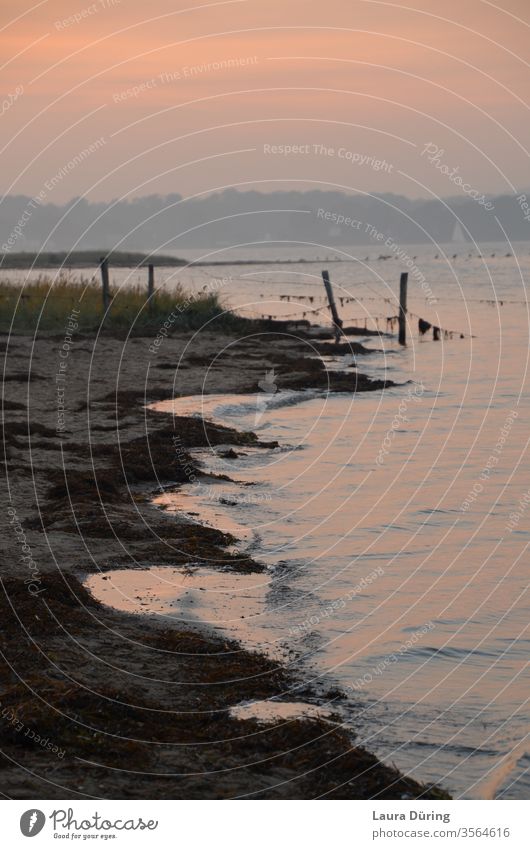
(46, 305)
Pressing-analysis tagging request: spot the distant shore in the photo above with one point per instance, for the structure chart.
(54, 260)
(105, 688)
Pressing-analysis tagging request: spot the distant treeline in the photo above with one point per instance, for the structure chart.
(318, 218)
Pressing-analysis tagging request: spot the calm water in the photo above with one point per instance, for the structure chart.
(394, 566)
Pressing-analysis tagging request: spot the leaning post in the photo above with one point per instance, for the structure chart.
(403, 308)
(337, 323)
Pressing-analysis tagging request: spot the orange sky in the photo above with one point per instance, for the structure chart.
(375, 79)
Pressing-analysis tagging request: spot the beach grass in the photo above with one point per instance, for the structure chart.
(47, 305)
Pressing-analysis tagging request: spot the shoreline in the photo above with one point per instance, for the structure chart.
(82, 260)
(106, 688)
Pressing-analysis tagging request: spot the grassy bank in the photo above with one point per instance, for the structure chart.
(47, 305)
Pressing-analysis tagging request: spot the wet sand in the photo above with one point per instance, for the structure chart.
(107, 704)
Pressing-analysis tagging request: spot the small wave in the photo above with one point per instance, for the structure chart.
(250, 404)
(449, 653)
(509, 777)
(454, 623)
(457, 748)
(290, 399)
(434, 511)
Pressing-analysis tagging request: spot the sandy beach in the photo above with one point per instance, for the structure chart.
(98, 703)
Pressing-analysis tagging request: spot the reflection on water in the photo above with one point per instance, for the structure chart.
(387, 521)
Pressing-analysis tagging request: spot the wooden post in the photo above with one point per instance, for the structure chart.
(337, 323)
(151, 287)
(403, 308)
(104, 265)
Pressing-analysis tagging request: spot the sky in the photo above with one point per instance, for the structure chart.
(122, 98)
